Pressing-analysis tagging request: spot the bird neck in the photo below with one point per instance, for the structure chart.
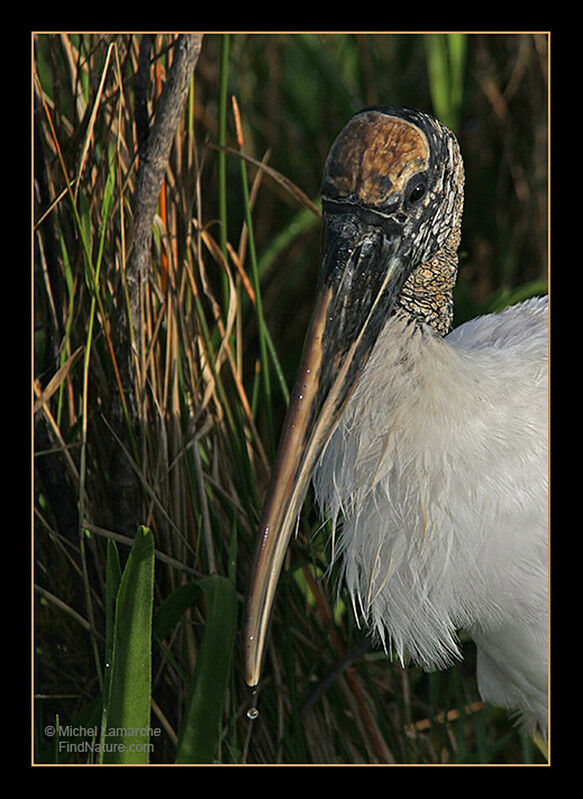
(427, 294)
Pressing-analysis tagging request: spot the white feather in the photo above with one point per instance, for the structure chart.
(438, 466)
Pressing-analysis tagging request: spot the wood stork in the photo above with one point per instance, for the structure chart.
(431, 448)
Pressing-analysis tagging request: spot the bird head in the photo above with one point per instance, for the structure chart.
(392, 201)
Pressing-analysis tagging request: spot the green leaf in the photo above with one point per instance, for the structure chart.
(170, 611)
(200, 731)
(128, 704)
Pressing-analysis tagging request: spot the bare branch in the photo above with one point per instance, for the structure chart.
(155, 145)
(154, 160)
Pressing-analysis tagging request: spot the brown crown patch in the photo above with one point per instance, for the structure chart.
(374, 156)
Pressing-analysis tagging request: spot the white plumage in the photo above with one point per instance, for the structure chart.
(438, 466)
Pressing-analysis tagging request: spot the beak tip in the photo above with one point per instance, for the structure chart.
(252, 652)
(252, 674)
(249, 675)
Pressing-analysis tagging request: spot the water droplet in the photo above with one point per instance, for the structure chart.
(252, 713)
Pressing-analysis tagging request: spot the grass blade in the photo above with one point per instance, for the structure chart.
(221, 158)
(261, 327)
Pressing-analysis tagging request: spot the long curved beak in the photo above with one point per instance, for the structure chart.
(360, 277)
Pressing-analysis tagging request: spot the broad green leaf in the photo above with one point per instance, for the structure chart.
(128, 705)
(200, 731)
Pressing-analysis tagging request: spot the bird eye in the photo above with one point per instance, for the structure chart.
(416, 193)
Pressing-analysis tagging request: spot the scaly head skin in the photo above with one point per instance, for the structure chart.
(405, 168)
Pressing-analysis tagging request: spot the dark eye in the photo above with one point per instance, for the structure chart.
(416, 193)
